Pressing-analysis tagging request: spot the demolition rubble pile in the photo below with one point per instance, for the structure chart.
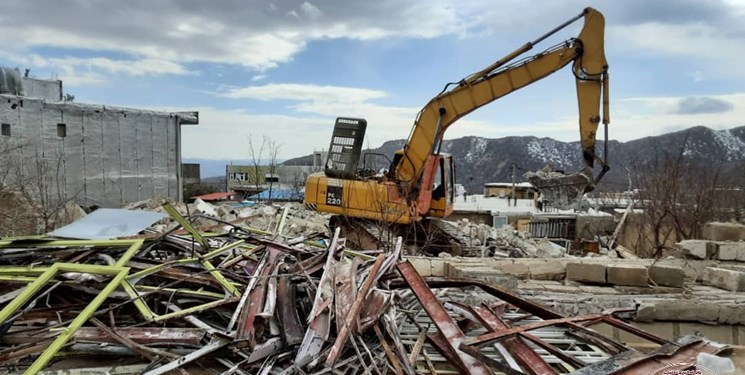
(507, 242)
(486, 240)
(255, 298)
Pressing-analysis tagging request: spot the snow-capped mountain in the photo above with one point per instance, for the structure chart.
(479, 160)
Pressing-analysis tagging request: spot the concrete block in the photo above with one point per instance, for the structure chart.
(730, 314)
(423, 266)
(438, 267)
(517, 269)
(627, 274)
(694, 269)
(548, 269)
(717, 231)
(593, 273)
(562, 289)
(667, 275)
(726, 251)
(731, 280)
(599, 290)
(686, 311)
(488, 275)
(737, 247)
(694, 248)
(646, 312)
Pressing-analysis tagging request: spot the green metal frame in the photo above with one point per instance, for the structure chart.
(37, 277)
(66, 333)
(186, 225)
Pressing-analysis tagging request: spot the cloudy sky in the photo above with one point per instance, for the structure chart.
(285, 69)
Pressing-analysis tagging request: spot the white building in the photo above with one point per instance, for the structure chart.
(95, 154)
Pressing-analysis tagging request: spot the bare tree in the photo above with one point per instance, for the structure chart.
(274, 148)
(42, 183)
(677, 195)
(32, 191)
(256, 153)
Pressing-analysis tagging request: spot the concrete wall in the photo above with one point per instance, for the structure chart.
(42, 88)
(98, 155)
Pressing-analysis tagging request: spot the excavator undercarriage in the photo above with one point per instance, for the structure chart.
(425, 237)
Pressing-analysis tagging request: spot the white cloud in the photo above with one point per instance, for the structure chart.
(303, 92)
(224, 134)
(79, 71)
(260, 35)
(256, 35)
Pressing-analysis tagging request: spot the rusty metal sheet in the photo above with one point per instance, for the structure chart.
(292, 328)
(528, 359)
(491, 337)
(320, 316)
(246, 330)
(442, 320)
(678, 355)
(144, 335)
(345, 289)
(351, 318)
(503, 294)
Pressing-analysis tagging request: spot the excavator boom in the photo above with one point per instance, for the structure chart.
(505, 76)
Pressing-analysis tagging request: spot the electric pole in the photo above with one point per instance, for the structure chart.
(514, 197)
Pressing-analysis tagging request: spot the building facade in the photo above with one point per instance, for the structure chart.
(97, 155)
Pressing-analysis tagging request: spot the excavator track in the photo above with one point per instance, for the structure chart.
(365, 234)
(450, 239)
(429, 236)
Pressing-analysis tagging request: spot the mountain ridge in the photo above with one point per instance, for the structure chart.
(479, 160)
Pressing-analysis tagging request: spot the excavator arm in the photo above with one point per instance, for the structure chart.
(507, 75)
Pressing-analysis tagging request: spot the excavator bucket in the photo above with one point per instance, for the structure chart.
(559, 190)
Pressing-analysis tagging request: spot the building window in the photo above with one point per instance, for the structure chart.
(61, 130)
(271, 178)
(5, 129)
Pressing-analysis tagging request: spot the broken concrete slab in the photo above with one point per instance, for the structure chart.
(729, 250)
(548, 269)
(548, 249)
(593, 273)
(627, 274)
(694, 248)
(724, 231)
(486, 274)
(205, 208)
(727, 279)
(685, 310)
(667, 275)
(517, 269)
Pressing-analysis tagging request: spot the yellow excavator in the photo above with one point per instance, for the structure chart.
(420, 181)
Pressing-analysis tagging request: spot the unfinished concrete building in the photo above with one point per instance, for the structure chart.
(96, 155)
